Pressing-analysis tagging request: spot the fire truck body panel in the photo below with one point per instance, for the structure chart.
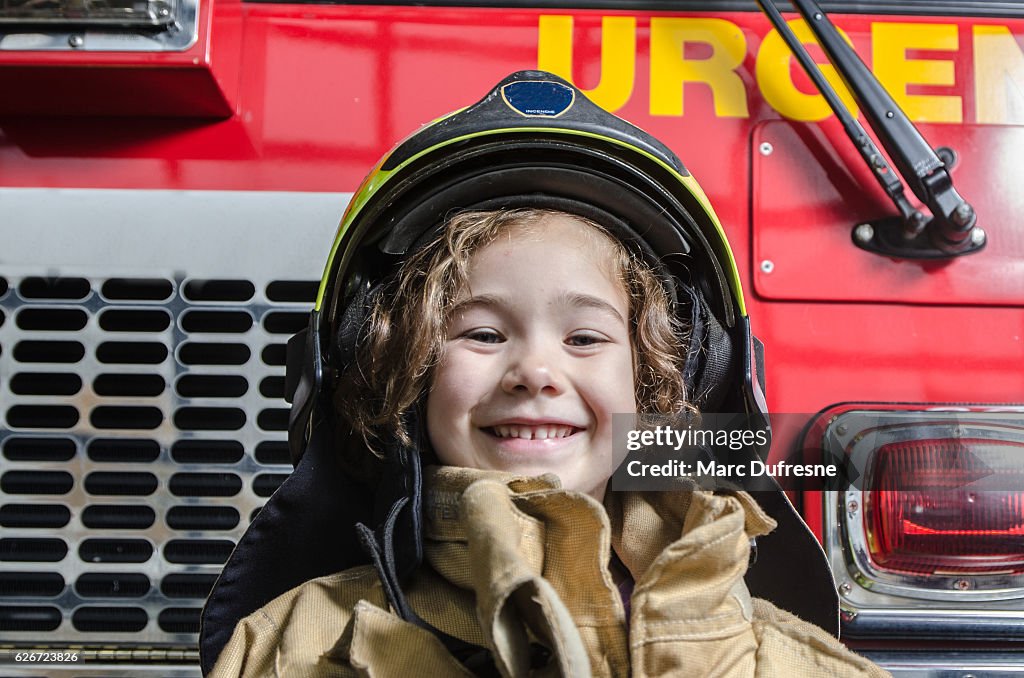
(217, 173)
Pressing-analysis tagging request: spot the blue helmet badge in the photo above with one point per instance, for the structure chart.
(537, 98)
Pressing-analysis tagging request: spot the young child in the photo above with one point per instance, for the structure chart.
(496, 351)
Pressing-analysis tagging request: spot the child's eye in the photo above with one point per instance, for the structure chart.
(584, 339)
(484, 336)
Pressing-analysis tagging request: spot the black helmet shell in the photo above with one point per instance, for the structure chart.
(534, 141)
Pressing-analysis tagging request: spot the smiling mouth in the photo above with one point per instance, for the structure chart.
(525, 432)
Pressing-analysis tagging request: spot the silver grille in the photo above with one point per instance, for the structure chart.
(143, 412)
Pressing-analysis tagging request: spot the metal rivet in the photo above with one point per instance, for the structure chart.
(767, 266)
(977, 236)
(841, 429)
(961, 584)
(852, 507)
(889, 114)
(864, 233)
(817, 16)
(76, 41)
(845, 588)
(765, 148)
(962, 215)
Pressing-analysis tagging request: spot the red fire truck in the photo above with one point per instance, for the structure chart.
(172, 173)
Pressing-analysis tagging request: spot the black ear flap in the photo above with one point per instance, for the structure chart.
(306, 365)
(352, 325)
(710, 365)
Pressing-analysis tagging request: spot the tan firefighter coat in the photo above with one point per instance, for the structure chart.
(510, 561)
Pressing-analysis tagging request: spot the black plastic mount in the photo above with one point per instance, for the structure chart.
(888, 237)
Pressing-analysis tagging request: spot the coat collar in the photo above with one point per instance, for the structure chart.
(655, 519)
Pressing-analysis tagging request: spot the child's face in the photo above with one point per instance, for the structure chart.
(538, 358)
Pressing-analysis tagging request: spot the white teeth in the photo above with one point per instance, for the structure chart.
(532, 432)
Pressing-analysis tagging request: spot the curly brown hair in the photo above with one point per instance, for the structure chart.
(406, 327)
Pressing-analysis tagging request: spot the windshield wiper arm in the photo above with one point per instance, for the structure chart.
(951, 231)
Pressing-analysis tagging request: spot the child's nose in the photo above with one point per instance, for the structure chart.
(533, 373)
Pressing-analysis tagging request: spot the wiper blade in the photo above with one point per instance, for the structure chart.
(951, 231)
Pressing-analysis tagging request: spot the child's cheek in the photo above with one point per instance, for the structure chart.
(461, 374)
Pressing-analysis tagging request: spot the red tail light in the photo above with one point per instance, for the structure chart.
(927, 538)
(946, 507)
